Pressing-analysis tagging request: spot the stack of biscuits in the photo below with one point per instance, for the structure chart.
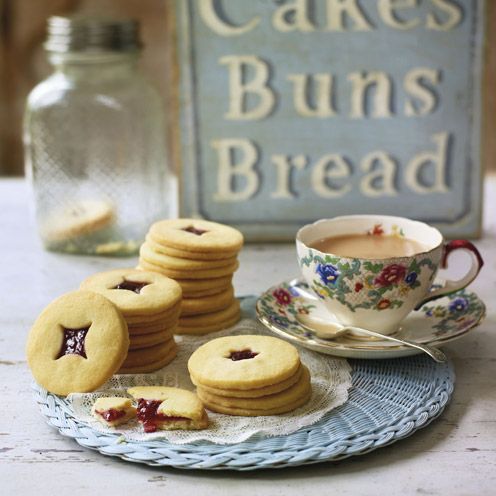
(202, 257)
(150, 304)
(249, 375)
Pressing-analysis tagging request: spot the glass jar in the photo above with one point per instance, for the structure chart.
(95, 142)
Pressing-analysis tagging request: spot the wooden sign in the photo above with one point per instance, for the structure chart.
(296, 110)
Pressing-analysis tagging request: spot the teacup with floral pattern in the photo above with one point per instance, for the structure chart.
(378, 293)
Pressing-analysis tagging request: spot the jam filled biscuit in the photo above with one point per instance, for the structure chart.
(194, 235)
(212, 273)
(168, 408)
(210, 322)
(207, 304)
(196, 288)
(77, 343)
(151, 305)
(136, 293)
(152, 354)
(150, 328)
(245, 412)
(256, 392)
(140, 341)
(243, 362)
(202, 257)
(148, 367)
(285, 398)
(203, 329)
(175, 263)
(77, 219)
(165, 319)
(250, 376)
(189, 255)
(113, 411)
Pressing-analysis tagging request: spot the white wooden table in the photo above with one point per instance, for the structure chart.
(455, 455)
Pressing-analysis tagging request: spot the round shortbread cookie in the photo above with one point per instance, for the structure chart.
(206, 292)
(212, 318)
(254, 393)
(176, 402)
(146, 340)
(142, 356)
(151, 329)
(150, 367)
(190, 274)
(177, 408)
(77, 343)
(112, 404)
(286, 397)
(190, 255)
(79, 218)
(195, 286)
(207, 304)
(169, 316)
(200, 331)
(136, 292)
(174, 263)
(243, 362)
(196, 235)
(258, 413)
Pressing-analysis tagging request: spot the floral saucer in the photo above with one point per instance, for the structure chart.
(281, 307)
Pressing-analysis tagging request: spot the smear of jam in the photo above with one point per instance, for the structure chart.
(131, 286)
(194, 230)
(111, 414)
(73, 342)
(148, 416)
(242, 355)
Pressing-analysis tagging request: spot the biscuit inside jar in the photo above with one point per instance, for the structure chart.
(194, 230)
(73, 342)
(134, 286)
(245, 354)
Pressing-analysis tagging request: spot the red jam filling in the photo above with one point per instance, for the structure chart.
(73, 342)
(111, 414)
(194, 230)
(242, 355)
(148, 416)
(132, 286)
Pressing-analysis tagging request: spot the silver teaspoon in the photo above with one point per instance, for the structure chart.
(330, 330)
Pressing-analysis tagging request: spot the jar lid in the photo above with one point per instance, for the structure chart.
(92, 34)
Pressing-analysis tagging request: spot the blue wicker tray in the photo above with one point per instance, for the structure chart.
(388, 401)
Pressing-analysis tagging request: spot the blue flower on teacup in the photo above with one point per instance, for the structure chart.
(328, 273)
(411, 278)
(458, 304)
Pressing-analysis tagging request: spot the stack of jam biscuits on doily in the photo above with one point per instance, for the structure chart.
(202, 257)
(150, 304)
(77, 343)
(168, 408)
(249, 375)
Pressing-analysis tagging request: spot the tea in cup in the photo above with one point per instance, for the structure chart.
(371, 271)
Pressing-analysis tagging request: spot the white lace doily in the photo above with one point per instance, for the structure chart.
(331, 380)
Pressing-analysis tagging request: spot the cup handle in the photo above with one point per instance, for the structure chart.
(453, 286)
